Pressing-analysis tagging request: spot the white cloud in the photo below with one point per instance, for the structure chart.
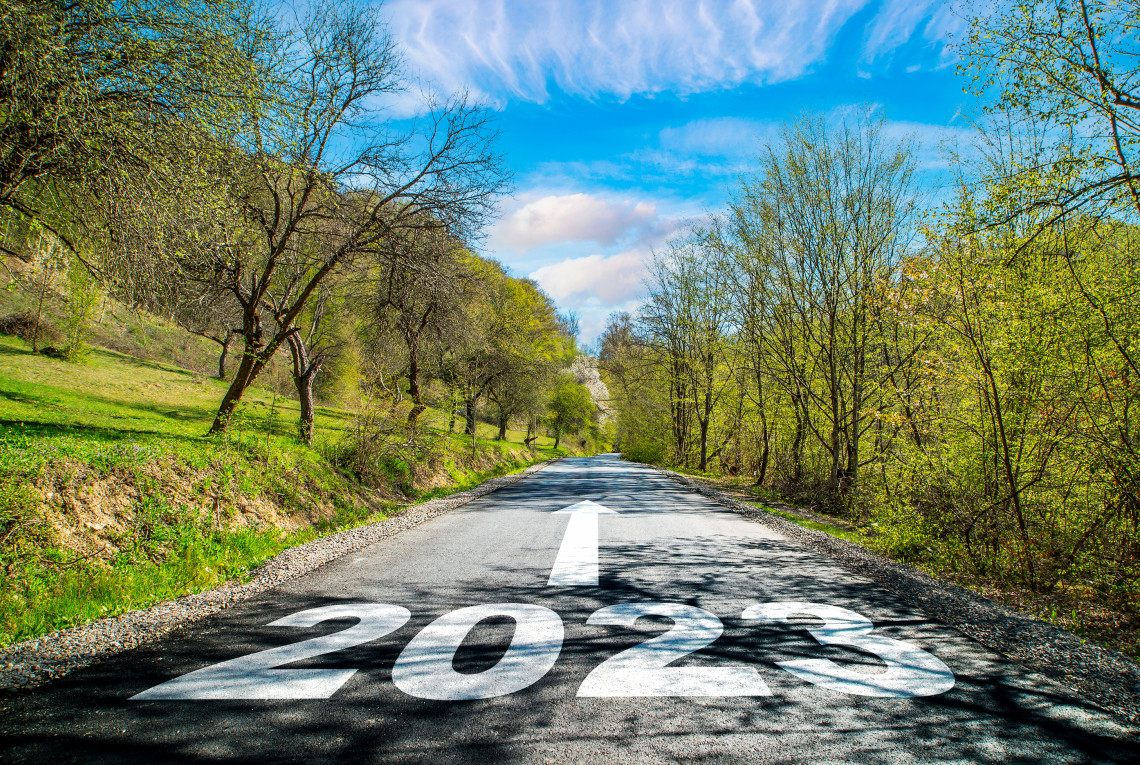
(519, 48)
(722, 136)
(595, 281)
(575, 218)
(721, 146)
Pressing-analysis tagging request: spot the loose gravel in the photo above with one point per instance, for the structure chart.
(35, 662)
(1104, 677)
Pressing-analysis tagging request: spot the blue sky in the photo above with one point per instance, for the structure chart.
(624, 119)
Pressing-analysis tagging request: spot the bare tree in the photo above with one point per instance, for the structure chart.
(211, 314)
(688, 319)
(826, 222)
(422, 287)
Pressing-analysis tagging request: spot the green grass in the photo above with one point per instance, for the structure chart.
(118, 410)
(744, 485)
(74, 596)
(142, 424)
(115, 409)
(827, 528)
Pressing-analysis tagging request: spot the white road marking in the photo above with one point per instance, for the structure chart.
(426, 666)
(577, 562)
(644, 670)
(911, 671)
(254, 676)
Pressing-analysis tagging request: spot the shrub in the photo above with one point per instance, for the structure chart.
(24, 326)
(82, 298)
(380, 447)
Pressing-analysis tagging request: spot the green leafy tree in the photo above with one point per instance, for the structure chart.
(515, 336)
(83, 293)
(95, 90)
(571, 408)
(1064, 75)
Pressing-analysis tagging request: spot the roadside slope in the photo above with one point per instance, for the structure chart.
(34, 662)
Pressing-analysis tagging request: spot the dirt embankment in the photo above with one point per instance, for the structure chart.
(94, 515)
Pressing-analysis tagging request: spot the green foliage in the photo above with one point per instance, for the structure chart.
(381, 448)
(23, 531)
(970, 401)
(643, 451)
(900, 532)
(1061, 76)
(571, 408)
(83, 295)
(97, 87)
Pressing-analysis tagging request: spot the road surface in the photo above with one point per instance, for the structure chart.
(595, 611)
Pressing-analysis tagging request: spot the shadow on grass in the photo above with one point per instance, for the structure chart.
(37, 428)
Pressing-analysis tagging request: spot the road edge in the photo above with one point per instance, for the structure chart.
(1105, 677)
(32, 663)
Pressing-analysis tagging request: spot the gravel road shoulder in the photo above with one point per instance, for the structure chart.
(1107, 678)
(35, 662)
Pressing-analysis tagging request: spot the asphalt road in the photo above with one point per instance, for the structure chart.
(480, 636)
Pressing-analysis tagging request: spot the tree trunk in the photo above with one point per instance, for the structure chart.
(304, 372)
(39, 318)
(705, 430)
(503, 420)
(247, 371)
(470, 415)
(860, 363)
(305, 391)
(414, 386)
(225, 352)
(798, 441)
(762, 472)
(704, 445)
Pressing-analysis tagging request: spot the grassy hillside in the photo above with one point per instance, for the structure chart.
(112, 498)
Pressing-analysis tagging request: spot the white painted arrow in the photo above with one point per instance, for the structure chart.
(577, 562)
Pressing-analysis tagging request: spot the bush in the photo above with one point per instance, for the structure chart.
(24, 326)
(900, 532)
(647, 452)
(380, 447)
(23, 532)
(82, 298)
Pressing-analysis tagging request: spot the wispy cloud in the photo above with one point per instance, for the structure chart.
(521, 48)
(900, 22)
(722, 146)
(934, 143)
(721, 136)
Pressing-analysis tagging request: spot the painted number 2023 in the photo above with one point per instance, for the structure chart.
(425, 668)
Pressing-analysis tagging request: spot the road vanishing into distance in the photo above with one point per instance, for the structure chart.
(595, 611)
